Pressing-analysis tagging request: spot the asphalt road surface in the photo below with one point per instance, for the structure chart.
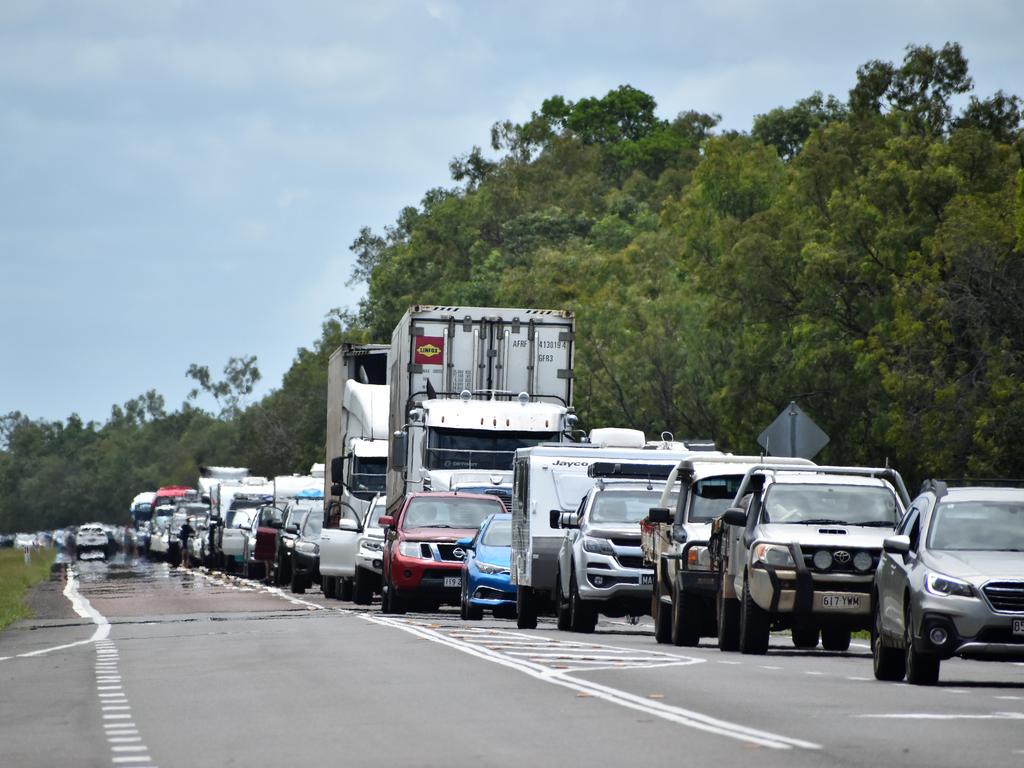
(132, 663)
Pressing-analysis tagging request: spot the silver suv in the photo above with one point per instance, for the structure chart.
(601, 568)
(950, 583)
(798, 550)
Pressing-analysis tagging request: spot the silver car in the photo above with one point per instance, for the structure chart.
(950, 583)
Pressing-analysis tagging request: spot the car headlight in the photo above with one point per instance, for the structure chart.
(597, 546)
(372, 545)
(490, 568)
(289, 543)
(938, 584)
(412, 549)
(774, 554)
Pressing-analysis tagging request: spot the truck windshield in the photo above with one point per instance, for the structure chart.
(624, 506)
(369, 476)
(479, 449)
(449, 512)
(980, 526)
(830, 504)
(711, 497)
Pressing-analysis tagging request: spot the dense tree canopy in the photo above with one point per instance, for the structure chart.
(863, 257)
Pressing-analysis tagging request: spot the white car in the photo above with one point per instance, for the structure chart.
(351, 553)
(25, 541)
(91, 540)
(158, 537)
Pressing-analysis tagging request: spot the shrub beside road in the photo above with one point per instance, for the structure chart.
(16, 576)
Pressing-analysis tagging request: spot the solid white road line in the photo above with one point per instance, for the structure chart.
(941, 716)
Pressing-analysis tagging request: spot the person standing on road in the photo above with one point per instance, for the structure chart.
(184, 534)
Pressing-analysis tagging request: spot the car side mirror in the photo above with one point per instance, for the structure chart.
(386, 521)
(735, 516)
(569, 520)
(466, 542)
(347, 524)
(896, 545)
(291, 528)
(659, 515)
(553, 517)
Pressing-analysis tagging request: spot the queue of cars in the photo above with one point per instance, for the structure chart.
(710, 544)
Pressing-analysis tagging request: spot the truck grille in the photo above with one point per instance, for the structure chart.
(1006, 596)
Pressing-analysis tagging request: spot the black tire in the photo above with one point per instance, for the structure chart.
(385, 600)
(728, 623)
(805, 637)
(922, 668)
(526, 608)
(662, 617)
(888, 663)
(562, 617)
(343, 589)
(686, 613)
(329, 586)
(467, 610)
(362, 588)
(754, 627)
(835, 638)
(298, 583)
(582, 617)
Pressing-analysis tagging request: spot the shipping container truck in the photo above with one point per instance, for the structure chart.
(357, 426)
(469, 386)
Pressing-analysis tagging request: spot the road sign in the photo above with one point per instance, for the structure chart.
(793, 433)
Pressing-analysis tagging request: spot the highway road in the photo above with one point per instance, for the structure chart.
(132, 663)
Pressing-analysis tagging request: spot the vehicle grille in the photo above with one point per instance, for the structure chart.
(630, 561)
(629, 541)
(1006, 596)
(447, 552)
(836, 566)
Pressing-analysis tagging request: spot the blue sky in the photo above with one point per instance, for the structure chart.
(181, 179)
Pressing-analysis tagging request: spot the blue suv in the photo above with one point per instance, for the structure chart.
(486, 571)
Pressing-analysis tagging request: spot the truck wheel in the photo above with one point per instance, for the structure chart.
(343, 589)
(728, 623)
(526, 608)
(562, 617)
(329, 586)
(662, 617)
(754, 627)
(835, 638)
(582, 617)
(805, 637)
(922, 668)
(685, 619)
(362, 589)
(888, 663)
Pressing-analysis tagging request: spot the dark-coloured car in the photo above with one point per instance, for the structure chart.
(422, 557)
(294, 515)
(306, 552)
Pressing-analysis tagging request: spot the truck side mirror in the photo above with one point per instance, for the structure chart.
(735, 516)
(337, 470)
(399, 444)
(659, 515)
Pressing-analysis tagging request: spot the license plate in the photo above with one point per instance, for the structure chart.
(646, 579)
(840, 602)
(453, 581)
(1018, 626)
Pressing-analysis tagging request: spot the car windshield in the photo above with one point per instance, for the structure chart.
(449, 512)
(374, 515)
(498, 534)
(830, 504)
(269, 516)
(240, 518)
(162, 520)
(624, 506)
(711, 497)
(479, 449)
(314, 524)
(991, 526)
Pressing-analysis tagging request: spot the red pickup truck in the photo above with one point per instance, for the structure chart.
(422, 559)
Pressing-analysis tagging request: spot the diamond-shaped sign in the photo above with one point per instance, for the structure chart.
(793, 433)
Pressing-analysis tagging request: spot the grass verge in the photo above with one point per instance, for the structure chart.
(16, 577)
